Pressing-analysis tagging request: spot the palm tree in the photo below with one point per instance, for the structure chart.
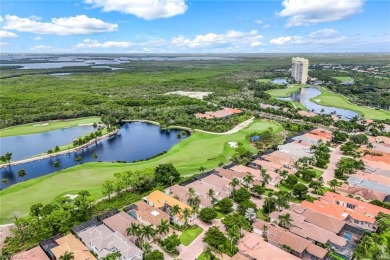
(190, 194)
(248, 179)
(233, 236)
(134, 230)
(250, 214)
(268, 203)
(266, 179)
(285, 220)
(171, 178)
(148, 232)
(21, 173)
(235, 182)
(211, 194)
(175, 210)
(186, 214)
(208, 253)
(147, 248)
(67, 256)
(333, 184)
(202, 169)
(95, 156)
(263, 171)
(283, 174)
(163, 227)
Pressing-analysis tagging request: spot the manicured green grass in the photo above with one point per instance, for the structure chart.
(260, 215)
(264, 80)
(199, 149)
(189, 235)
(52, 125)
(343, 79)
(220, 215)
(285, 92)
(329, 98)
(299, 105)
(202, 256)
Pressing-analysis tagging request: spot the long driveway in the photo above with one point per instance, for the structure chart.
(335, 156)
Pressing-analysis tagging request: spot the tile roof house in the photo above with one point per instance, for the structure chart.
(244, 169)
(280, 237)
(357, 214)
(102, 241)
(147, 214)
(70, 243)
(120, 222)
(307, 230)
(223, 113)
(253, 246)
(230, 174)
(35, 253)
(365, 193)
(162, 201)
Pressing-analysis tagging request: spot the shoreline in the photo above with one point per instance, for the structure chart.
(72, 150)
(235, 129)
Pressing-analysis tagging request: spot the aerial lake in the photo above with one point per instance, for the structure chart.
(305, 94)
(135, 141)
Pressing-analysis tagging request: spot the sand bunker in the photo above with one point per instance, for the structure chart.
(41, 124)
(195, 94)
(233, 144)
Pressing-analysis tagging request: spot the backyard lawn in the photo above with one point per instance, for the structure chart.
(200, 149)
(40, 127)
(189, 235)
(329, 98)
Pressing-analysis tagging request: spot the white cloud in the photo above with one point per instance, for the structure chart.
(37, 38)
(323, 36)
(232, 38)
(308, 12)
(258, 21)
(266, 26)
(146, 9)
(90, 44)
(6, 34)
(76, 25)
(41, 48)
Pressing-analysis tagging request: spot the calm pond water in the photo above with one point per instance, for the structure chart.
(280, 81)
(26, 146)
(305, 94)
(135, 141)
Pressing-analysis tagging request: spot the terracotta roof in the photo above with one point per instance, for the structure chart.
(361, 192)
(240, 256)
(119, 222)
(159, 198)
(219, 114)
(229, 174)
(360, 206)
(35, 253)
(254, 246)
(241, 168)
(220, 184)
(307, 114)
(337, 211)
(297, 243)
(150, 214)
(69, 243)
(323, 133)
(326, 222)
(316, 251)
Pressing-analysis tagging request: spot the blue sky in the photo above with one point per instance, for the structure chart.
(198, 26)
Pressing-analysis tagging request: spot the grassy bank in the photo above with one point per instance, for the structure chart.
(329, 98)
(285, 92)
(41, 127)
(344, 79)
(199, 149)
